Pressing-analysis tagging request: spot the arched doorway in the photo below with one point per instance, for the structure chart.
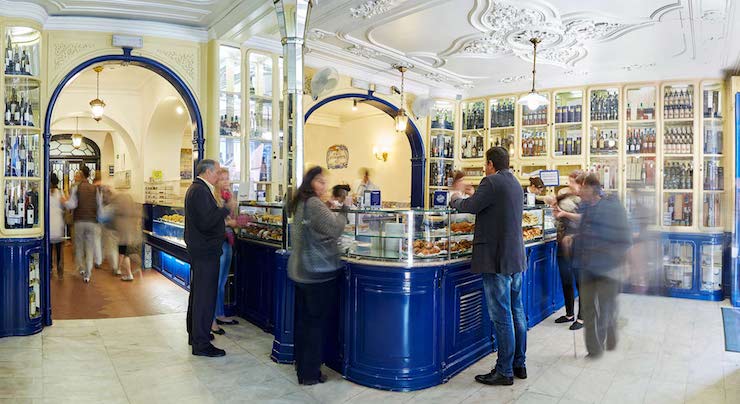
(418, 157)
(126, 58)
(65, 159)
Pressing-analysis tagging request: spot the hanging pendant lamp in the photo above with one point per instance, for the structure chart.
(401, 119)
(97, 106)
(533, 100)
(77, 136)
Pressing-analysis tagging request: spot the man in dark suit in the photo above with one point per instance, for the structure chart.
(204, 235)
(498, 254)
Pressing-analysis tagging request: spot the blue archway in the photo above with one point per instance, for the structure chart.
(125, 58)
(418, 158)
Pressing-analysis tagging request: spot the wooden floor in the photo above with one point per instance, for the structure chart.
(106, 296)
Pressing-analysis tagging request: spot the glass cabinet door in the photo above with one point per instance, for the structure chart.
(230, 110)
(441, 144)
(678, 102)
(472, 137)
(568, 123)
(604, 104)
(678, 264)
(260, 122)
(713, 161)
(711, 267)
(502, 112)
(640, 104)
(641, 190)
(22, 167)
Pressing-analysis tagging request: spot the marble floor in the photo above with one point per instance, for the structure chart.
(671, 351)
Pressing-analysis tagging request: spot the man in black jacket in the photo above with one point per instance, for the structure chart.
(204, 235)
(498, 253)
(598, 255)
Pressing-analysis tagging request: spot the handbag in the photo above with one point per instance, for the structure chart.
(319, 251)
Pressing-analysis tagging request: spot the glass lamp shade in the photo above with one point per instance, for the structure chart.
(533, 100)
(402, 120)
(77, 140)
(97, 106)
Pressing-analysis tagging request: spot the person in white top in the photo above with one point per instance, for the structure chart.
(56, 227)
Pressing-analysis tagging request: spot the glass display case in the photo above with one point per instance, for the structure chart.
(640, 104)
(711, 267)
(641, 190)
(168, 223)
(678, 207)
(534, 141)
(262, 222)
(22, 142)
(411, 236)
(230, 110)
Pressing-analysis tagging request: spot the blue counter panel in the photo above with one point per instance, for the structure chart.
(542, 264)
(394, 327)
(284, 299)
(15, 319)
(254, 280)
(467, 325)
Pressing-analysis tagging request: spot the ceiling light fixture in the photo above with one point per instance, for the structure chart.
(402, 120)
(533, 100)
(97, 106)
(354, 105)
(179, 109)
(77, 136)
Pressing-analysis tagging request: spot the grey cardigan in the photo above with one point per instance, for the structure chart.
(324, 222)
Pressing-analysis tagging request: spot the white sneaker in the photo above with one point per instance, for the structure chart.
(86, 279)
(116, 272)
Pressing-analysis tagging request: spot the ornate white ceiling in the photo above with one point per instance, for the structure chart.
(195, 13)
(481, 47)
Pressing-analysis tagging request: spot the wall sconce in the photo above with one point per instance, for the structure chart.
(380, 154)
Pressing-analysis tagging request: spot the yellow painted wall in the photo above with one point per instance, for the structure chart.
(360, 136)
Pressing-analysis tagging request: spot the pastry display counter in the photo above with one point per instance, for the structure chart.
(164, 243)
(406, 290)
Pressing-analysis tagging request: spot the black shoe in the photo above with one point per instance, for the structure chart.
(563, 319)
(230, 322)
(211, 337)
(220, 331)
(322, 379)
(210, 351)
(494, 379)
(594, 356)
(575, 326)
(520, 373)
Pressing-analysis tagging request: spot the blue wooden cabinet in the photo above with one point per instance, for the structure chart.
(254, 282)
(24, 289)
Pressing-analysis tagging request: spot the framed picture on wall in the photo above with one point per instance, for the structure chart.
(337, 157)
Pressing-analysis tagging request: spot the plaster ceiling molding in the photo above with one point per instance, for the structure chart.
(64, 51)
(512, 79)
(371, 8)
(563, 57)
(638, 66)
(400, 64)
(465, 86)
(362, 51)
(574, 73)
(184, 58)
(318, 34)
(436, 77)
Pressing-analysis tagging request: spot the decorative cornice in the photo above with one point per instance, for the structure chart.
(371, 8)
(362, 51)
(638, 66)
(154, 29)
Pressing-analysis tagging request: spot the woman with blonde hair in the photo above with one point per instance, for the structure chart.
(223, 195)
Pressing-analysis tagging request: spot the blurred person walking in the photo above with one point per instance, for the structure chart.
(223, 195)
(84, 200)
(126, 217)
(314, 266)
(204, 237)
(498, 254)
(56, 225)
(599, 253)
(98, 253)
(565, 208)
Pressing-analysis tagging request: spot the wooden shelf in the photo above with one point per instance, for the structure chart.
(678, 120)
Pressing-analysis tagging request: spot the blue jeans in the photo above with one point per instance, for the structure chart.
(223, 275)
(505, 306)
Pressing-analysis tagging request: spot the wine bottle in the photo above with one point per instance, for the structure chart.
(30, 212)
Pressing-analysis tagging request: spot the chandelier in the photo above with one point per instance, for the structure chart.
(402, 120)
(533, 100)
(77, 136)
(97, 106)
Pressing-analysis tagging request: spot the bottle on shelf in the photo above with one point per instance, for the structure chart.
(678, 175)
(604, 106)
(712, 210)
(713, 140)
(678, 209)
(678, 103)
